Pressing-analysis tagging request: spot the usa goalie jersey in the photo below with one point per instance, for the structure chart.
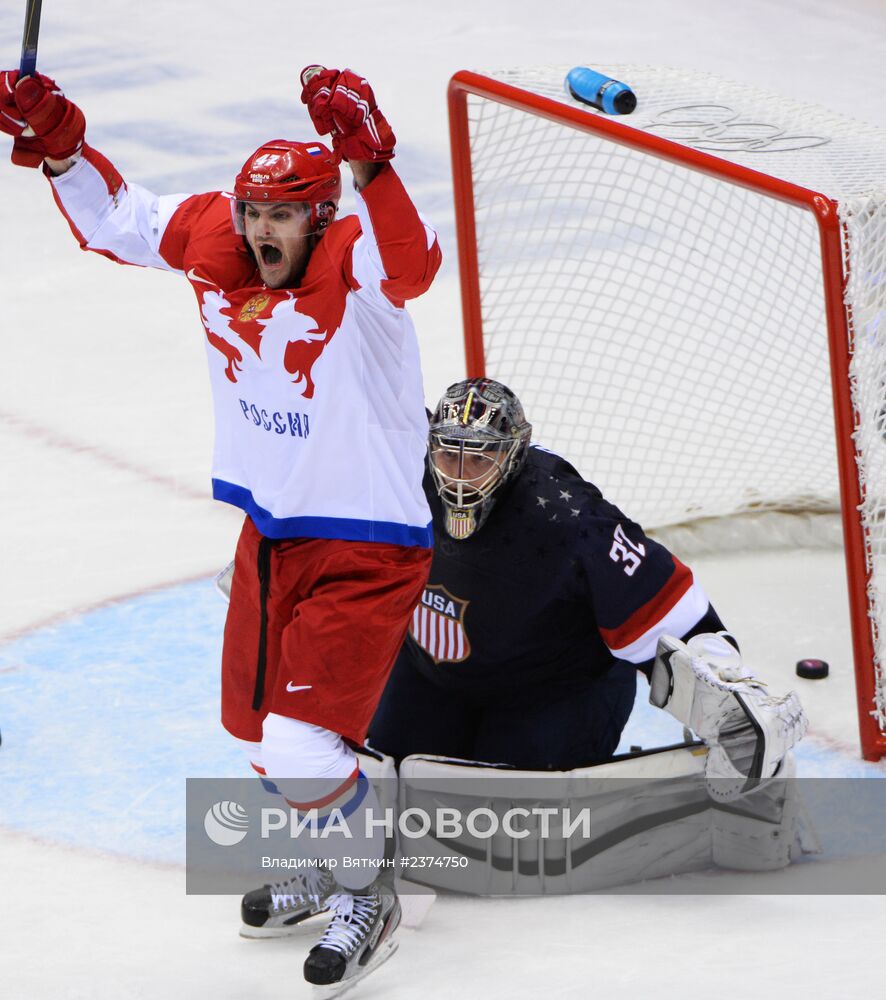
(557, 582)
(317, 390)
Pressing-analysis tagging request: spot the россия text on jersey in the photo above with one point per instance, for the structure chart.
(296, 424)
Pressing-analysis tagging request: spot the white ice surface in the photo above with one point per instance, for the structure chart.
(105, 433)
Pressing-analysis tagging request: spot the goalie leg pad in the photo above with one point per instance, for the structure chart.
(497, 831)
(762, 835)
(650, 816)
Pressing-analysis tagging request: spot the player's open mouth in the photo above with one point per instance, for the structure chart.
(270, 255)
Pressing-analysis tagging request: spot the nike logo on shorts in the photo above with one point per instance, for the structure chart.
(298, 687)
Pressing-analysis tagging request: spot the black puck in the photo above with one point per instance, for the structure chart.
(812, 670)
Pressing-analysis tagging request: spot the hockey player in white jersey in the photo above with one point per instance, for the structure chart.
(320, 428)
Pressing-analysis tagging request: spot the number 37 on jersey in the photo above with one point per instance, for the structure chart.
(629, 554)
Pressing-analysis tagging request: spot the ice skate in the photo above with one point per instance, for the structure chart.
(280, 908)
(359, 938)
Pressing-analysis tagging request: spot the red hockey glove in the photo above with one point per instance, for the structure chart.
(11, 121)
(344, 105)
(57, 125)
(26, 151)
(317, 84)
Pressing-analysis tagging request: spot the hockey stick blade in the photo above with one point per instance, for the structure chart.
(28, 64)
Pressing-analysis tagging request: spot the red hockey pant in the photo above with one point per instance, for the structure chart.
(335, 614)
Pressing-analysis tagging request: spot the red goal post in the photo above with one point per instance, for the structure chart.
(626, 236)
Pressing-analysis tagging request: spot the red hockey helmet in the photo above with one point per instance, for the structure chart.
(282, 170)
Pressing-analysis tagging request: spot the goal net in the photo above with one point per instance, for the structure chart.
(689, 300)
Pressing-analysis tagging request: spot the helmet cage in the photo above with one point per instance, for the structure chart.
(478, 441)
(467, 471)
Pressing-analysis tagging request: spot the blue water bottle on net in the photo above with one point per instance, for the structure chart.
(601, 92)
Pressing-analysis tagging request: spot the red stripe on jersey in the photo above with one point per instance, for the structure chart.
(109, 173)
(331, 797)
(430, 625)
(652, 612)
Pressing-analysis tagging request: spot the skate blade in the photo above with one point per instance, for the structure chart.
(307, 927)
(264, 933)
(381, 956)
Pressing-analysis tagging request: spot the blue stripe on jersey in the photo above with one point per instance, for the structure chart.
(344, 528)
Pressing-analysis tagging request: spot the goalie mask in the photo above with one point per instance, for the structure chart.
(478, 442)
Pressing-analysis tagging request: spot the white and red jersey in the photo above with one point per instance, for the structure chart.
(319, 408)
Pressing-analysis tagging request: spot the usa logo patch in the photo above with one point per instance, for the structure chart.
(438, 625)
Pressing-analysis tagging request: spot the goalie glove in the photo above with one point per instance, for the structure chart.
(343, 105)
(704, 684)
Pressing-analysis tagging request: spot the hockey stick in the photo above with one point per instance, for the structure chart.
(29, 38)
(27, 67)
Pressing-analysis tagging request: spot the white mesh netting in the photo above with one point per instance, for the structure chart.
(665, 328)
